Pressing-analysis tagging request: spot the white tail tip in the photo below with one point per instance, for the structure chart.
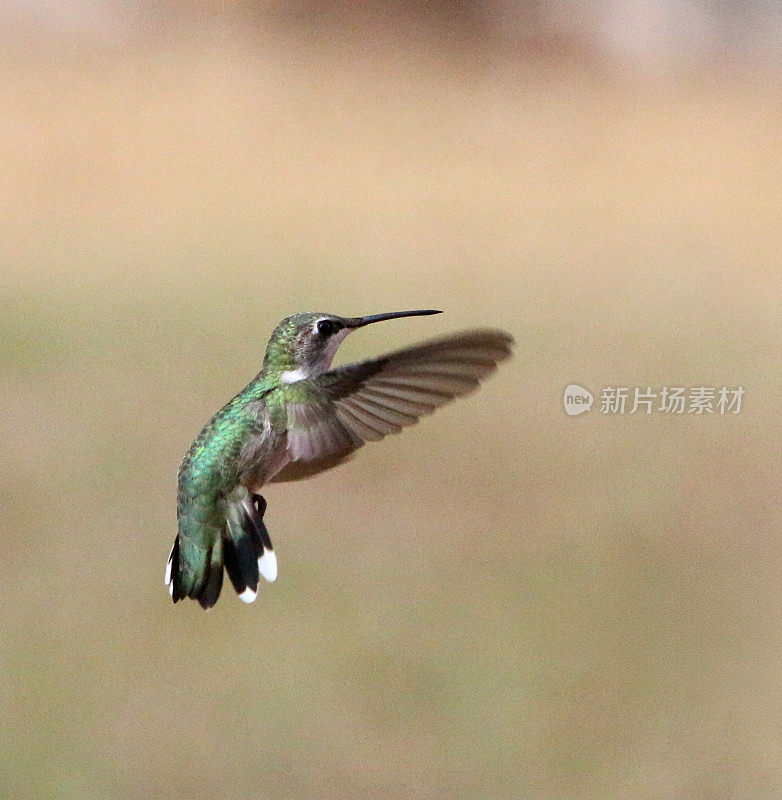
(248, 596)
(267, 565)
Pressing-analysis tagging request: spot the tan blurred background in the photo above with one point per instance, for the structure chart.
(503, 602)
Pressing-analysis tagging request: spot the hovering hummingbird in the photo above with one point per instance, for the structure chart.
(296, 418)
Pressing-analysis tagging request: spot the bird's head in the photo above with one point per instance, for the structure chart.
(304, 345)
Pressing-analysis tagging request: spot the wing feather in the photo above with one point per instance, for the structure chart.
(352, 419)
(398, 400)
(368, 400)
(373, 428)
(382, 410)
(315, 432)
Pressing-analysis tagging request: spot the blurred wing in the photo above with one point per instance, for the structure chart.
(316, 439)
(368, 400)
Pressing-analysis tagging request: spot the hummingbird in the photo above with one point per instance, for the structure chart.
(296, 418)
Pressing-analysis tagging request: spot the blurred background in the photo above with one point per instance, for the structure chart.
(502, 602)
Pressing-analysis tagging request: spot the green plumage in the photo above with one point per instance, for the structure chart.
(207, 475)
(294, 419)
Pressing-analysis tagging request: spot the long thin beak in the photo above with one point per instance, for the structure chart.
(359, 322)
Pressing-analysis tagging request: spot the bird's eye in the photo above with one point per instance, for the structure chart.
(327, 327)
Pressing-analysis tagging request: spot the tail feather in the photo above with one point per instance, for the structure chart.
(207, 597)
(255, 507)
(248, 548)
(243, 566)
(172, 569)
(243, 547)
(180, 578)
(202, 584)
